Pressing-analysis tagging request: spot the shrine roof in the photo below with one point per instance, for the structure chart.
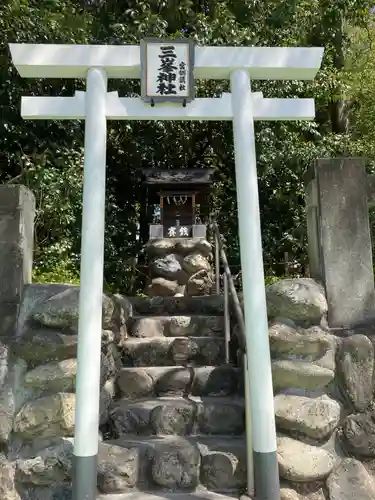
(178, 177)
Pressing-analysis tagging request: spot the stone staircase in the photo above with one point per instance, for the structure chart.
(172, 413)
(178, 404)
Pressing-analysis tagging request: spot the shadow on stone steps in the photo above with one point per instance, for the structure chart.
(211, 305)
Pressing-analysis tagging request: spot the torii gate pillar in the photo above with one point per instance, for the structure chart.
(265, 462)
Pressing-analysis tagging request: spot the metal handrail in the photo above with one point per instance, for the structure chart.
(230, 289)
(221, 255)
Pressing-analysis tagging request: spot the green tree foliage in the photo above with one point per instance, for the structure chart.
(47, 156)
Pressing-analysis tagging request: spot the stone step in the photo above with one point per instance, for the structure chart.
(210, 305)
(176, 326)
(63, 492)
(168, 351)
(199, 494)
(186, 463)
(177, 416)
(179, 381)
(154, 465)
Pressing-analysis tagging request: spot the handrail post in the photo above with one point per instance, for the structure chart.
(226, 318)
(217, 264)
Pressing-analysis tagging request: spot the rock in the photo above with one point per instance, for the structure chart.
(8, 490)
(173, 419)
(182, 246)
(211, 326)
(23, 450)
(359, 431)
(46, 417)
(57, 376)
(168, 267)
(147, 352)
(12, 396)
(117, 468)
(61, 310)
(300, 299)
(175, 381)
(328, 360)
(300, 462)
(215, 381)
(195, 262)
(210, 305)
(167, 351)
(226, 418)
(128, 417)
(222, 470)
(316, 418)
(245, 496)
(180, 291)
(158, 416)
(108, 311)
(45, 344)
(170, 381)
(135, 382)
(110, 362)
(4, 362)
(123, 310)
(107, 394)
(176, 326)
(350, 481)
(279, 320)
(108, 337)
(51, 466)
(145, 326)
(182, 326)
(60, 376)
(355, 366)
(59, 492)
(161, 287)
(310, 491)
(199, 283)
(177, 416)
(183, 349)
(286, 340)
(300, 374)
(177, 465)
(288, 494)
(160, 247)
(199, 326)
(210, 350)
(187, 246)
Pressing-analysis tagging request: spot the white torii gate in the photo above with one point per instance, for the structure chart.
(240, 65)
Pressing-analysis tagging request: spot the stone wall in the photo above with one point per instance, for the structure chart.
(179, 267)
(39, 440)
(324, 398)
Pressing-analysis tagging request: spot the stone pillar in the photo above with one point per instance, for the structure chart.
(339, 239)
(17, 210)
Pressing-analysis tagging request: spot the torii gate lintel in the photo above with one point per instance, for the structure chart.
(133, 108)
